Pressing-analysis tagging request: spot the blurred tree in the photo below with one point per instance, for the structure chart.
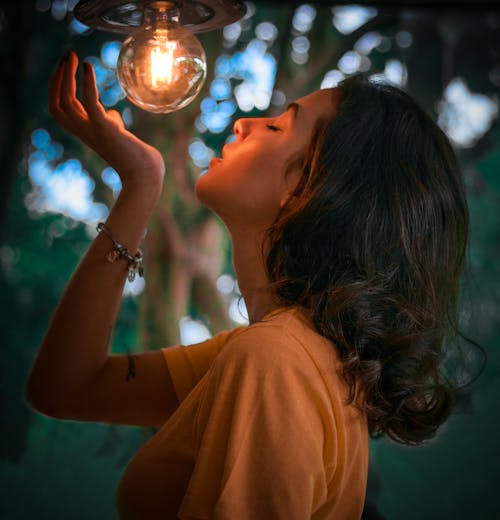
(183, 247)
(186, 248)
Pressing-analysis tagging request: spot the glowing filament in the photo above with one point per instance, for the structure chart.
(162, 64)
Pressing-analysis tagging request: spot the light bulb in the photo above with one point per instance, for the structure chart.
(161, 65)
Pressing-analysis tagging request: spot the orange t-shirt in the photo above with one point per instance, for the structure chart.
(261, 432)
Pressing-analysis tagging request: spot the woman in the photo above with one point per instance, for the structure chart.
(349, 223)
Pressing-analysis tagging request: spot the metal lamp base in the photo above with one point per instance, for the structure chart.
(123, 17)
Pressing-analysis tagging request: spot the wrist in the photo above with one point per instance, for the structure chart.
(146, 195)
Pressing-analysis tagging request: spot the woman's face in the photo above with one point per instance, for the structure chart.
(247, 186)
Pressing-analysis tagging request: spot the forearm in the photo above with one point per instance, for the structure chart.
(76, 344)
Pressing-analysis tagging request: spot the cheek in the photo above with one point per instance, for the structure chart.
(246, 190)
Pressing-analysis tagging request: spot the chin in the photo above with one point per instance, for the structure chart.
(200, 188)
(206, 191)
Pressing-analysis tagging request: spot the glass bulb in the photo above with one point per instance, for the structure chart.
(161, 65)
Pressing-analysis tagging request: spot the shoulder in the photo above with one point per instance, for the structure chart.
(273, 341)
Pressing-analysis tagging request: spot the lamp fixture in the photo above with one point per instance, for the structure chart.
(161, 66)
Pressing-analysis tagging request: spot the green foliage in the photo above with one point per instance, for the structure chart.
(64, 469)
(68, 470)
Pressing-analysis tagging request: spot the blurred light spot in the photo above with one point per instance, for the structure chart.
(332, 79)
(378, 77)
(42, 5)
(216, 122)
(303, 18)
(39, 169)
(384, 45)
(127, 117)
(200, 125)
(256, 69)
(220, 88)
(365, 64)
(299, 58)
(250, 10)
(208, 105)
(266, 31)
(99, 70)
(223, 66)
(278, 98)
(134, 288)
(115, 93)
(70, 188)
(66, 189)
(53, 151)
(256, 48)
(225, 284)
(109, 98)
(232, 31)
(348, 18)
(59, 9)
(111, 179)
(463, 116)
(200, 153)
(396, 72)
(254, 72)
(349, 62)
(237, 311)
(244, 97)
(110, 80)
(72, 4)
(40, 138)
(231, 138)
(228, 107)
(77, 27)
(261, 99)
(192, 331)
(404, 39)
(368, 42)
(301, 44)
(109, 53)
(56, 229)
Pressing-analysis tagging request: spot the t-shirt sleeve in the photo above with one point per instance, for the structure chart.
(188, 364)
(259, 434)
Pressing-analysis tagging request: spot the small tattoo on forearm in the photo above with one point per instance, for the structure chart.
(131, 367)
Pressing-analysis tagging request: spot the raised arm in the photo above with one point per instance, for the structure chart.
(73, 355)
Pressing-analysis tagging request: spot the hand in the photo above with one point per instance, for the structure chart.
(138, 164)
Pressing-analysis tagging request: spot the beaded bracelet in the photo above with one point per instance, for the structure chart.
(134, 262)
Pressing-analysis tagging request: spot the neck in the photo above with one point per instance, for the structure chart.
(250, 271)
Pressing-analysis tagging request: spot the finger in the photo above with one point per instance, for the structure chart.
(90, 94)
(68, 100)
(55, 89)
(117, 117)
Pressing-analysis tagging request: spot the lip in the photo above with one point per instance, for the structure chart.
(214, 160)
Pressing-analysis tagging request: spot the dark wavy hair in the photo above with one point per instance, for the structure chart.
(372, 245)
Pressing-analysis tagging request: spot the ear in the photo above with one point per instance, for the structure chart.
(291, 181)
(285, 199)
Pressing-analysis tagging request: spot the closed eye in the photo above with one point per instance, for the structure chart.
(274, 128)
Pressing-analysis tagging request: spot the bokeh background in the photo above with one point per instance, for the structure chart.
(54, 190)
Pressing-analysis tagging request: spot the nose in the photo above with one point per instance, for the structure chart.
(241, 127)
